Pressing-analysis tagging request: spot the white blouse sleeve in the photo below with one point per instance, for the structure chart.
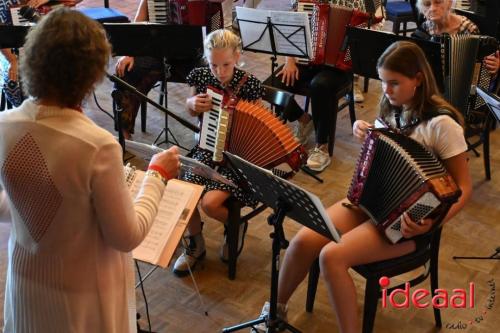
(447, 137)
(124, 223)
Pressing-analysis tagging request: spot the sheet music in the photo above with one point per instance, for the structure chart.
(256, 37)
(301, 39)
(170, 211)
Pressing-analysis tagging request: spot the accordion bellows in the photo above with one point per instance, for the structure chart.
(258, 136)
(396, 174)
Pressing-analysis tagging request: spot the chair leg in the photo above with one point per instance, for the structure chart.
(486, 147)
(405, 25)
(232, 231)
(434, 275)
(144, 112)
(371, 302)
(312, 285)
(352, 108)
(395, 27)
(306, 104)
(366, 83)
(333, 126)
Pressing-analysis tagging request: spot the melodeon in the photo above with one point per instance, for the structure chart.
(328, 30)
(463, 69)
(395, 174)
(192, 12)
(251, 131)
(18, 19)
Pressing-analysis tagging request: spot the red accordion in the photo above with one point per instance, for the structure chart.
(252, 132)
(192, 12)
(396, 174)
(328, 29)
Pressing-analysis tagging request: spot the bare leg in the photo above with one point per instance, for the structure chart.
(305, 247)
(212, 204)
(194, 224)
(361, 245)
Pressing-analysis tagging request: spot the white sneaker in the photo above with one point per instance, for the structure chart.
(318, 160)
(224, 250)
(303, 131)
(192, 255)
(358, 95)
(282, 311)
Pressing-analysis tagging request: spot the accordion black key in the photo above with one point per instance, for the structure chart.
(396, 174)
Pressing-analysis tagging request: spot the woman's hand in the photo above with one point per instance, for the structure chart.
(290, 72)
(168, 160)
(410, 228)
(360, 128)
(199, 103)
(124, 64)
(492, 62)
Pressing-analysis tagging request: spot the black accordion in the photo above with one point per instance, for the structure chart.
(463, 69)
(396, 174)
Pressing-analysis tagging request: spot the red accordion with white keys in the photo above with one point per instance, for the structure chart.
(251, 131)
(328, 29)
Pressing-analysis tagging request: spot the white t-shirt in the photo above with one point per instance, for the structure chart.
(441, 135)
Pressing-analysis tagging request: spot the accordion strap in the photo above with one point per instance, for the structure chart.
(233, 93)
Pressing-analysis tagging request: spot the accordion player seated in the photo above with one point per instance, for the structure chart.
(396, 174)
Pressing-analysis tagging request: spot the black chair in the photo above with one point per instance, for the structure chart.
(427, 257)
(279, 101)
(401, 11)
(4, 103)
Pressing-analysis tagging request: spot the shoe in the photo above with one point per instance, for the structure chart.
(224, 250)
(303, 132)
(318, 160)
(358, 95)
(191, 256)
(282, 311)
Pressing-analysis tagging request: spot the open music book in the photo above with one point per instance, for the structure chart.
(175, 209)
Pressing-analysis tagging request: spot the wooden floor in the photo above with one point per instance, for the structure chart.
(175, 306)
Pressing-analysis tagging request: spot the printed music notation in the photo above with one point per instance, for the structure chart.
(291, 31)
(176, 206)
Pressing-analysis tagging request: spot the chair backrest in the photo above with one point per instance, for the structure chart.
(279, 99)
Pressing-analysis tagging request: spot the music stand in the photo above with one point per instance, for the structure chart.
(286, 199)
(274, 32)
(368, 45)
(155, 40)
(12, 36)
(493, 103)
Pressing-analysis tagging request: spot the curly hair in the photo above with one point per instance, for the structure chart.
(65, 55)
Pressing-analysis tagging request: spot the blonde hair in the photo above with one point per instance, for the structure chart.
(65, 55)
(221, 39)
(409, 60)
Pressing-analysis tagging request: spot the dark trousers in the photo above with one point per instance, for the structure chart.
(320, 83)
(143, 76)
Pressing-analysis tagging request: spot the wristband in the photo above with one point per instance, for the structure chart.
(156, 174)
(161, 170)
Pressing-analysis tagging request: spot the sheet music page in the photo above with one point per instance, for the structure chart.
(287, 31)
(253, 24)
(172, 204)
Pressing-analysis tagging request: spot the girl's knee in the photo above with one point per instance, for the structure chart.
(331, 257)
(209, 206)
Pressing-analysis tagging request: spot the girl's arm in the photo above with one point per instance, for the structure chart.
(198, 103)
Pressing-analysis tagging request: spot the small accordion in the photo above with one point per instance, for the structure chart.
(190, 12)
(396, 174)
(24, 15)
(328, 29)
(252, 132)
(463, 69)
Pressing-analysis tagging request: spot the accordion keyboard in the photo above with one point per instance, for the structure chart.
(17, 19)
(158, 11)
(209, 129)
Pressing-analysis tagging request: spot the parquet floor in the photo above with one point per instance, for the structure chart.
(175, 307)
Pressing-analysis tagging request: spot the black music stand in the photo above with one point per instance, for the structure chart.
(286, 199)
(493, 103)
(368, 45)
(265, 31)
(168, 42)
(12, 36)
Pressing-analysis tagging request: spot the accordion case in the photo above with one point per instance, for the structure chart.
(396, 174)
